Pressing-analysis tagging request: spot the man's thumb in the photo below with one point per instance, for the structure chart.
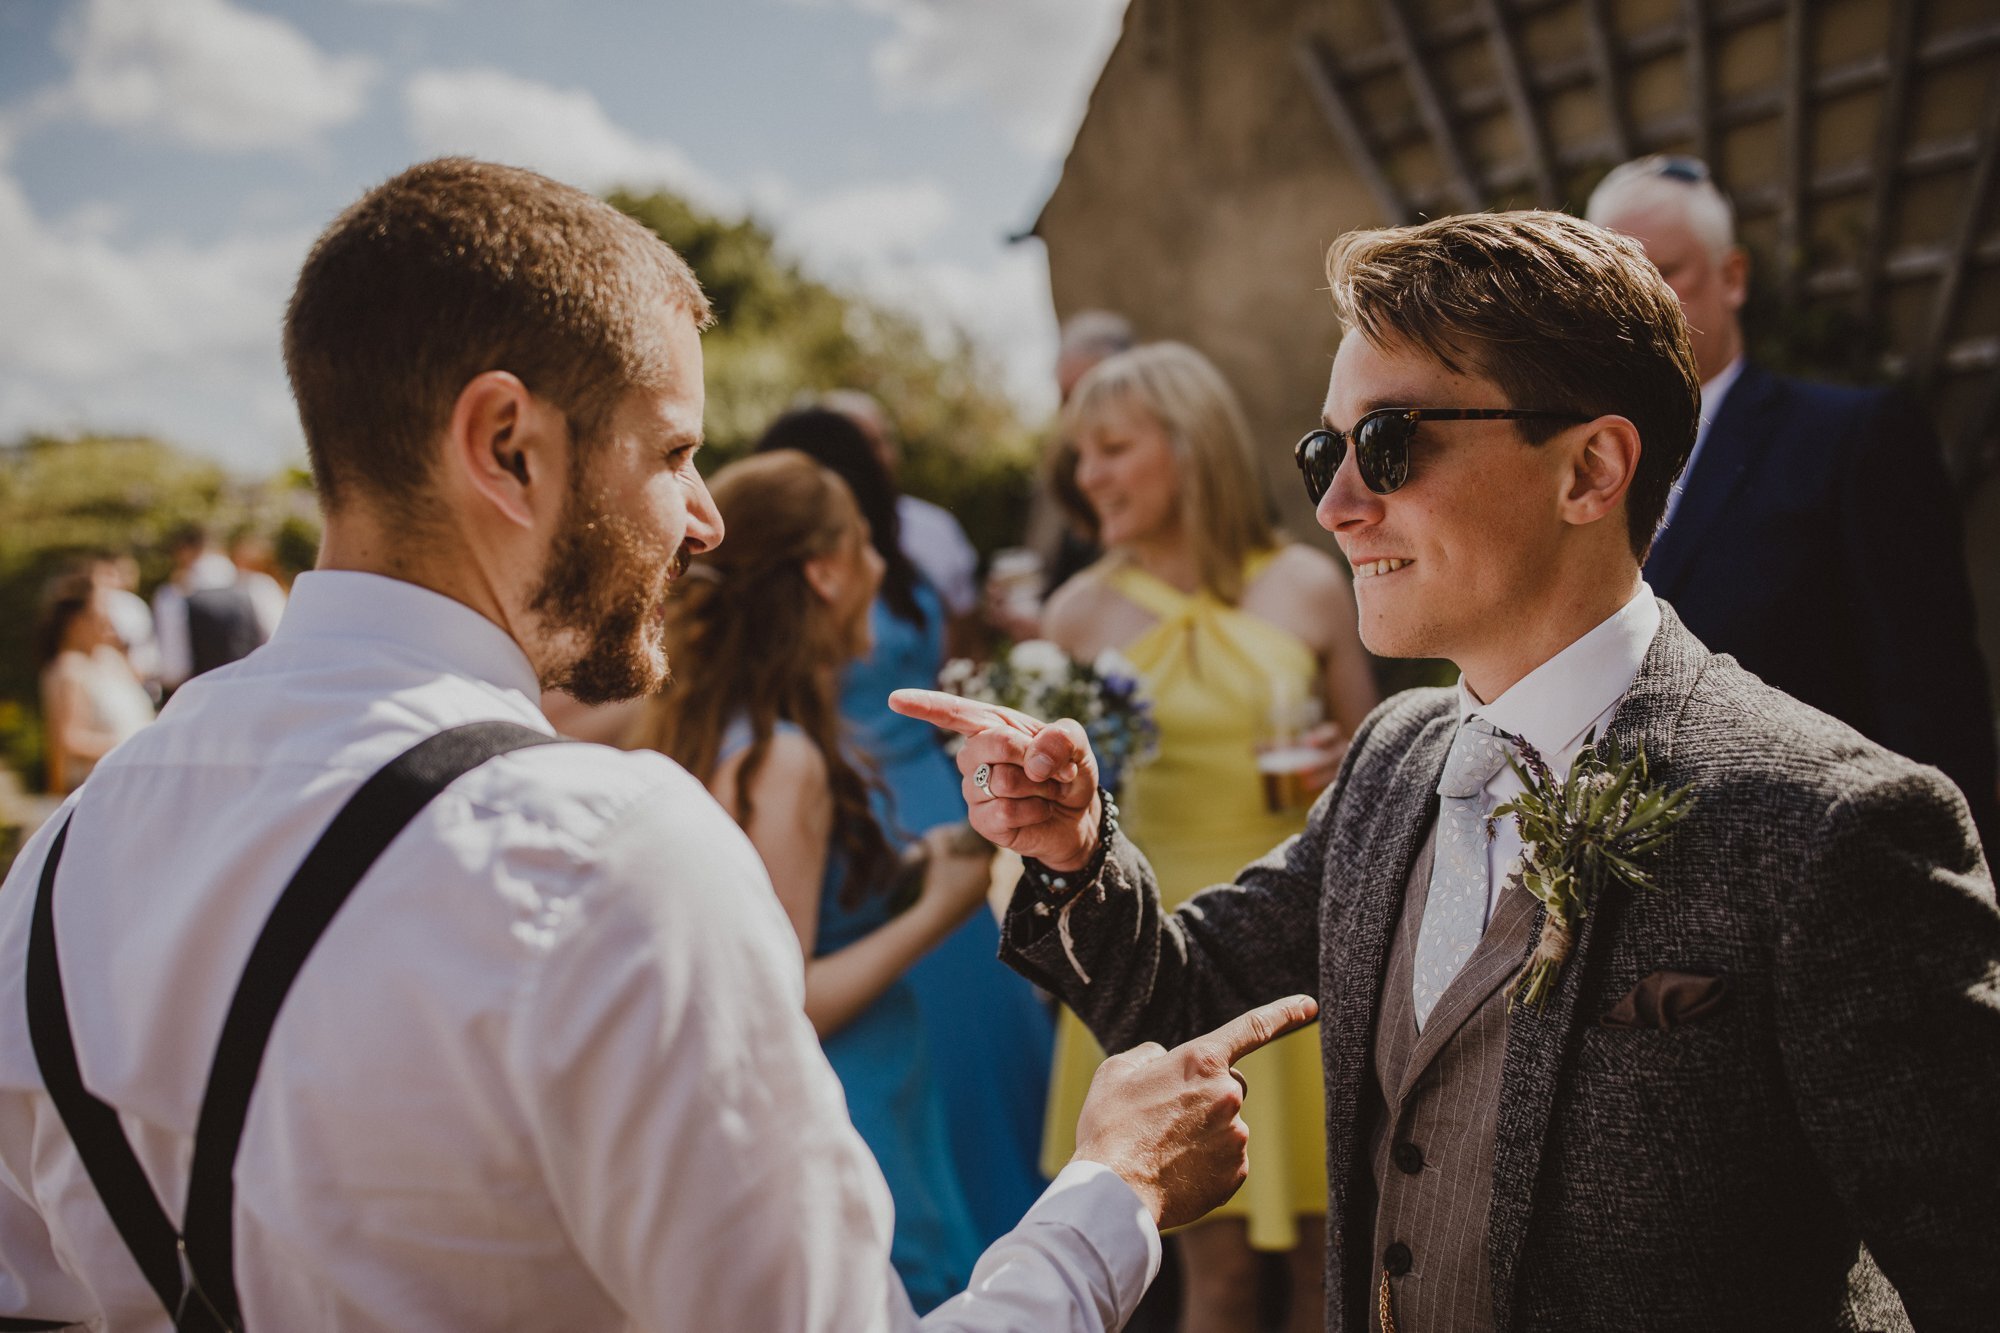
(1052, 753)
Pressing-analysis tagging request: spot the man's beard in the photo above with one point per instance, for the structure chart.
(604, 586)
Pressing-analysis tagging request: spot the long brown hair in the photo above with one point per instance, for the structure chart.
(749, 637)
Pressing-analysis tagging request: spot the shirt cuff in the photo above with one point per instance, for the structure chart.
(1092, 1198)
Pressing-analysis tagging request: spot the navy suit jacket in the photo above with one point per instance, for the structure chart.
(1818, 543)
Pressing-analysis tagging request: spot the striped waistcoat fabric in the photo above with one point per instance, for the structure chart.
(1435, 1113)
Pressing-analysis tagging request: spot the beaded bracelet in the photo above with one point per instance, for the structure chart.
(1065, 886)
(1061, 883)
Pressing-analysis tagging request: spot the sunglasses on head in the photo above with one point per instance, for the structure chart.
(1382, 443)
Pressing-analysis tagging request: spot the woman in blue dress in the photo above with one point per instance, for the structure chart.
(991, 1038)
(757, 632)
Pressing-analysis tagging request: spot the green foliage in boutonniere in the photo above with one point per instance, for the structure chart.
(1597, 827)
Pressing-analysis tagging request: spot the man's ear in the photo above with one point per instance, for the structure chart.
(507, 447)
(1601, 469)
(1735, 273)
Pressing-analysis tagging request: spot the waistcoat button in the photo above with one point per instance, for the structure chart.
(1409, 1158)
(1396, 1259)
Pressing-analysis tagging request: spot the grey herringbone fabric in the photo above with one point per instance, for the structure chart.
(1831, 1128)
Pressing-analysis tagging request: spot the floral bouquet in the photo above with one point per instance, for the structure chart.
(1041, 680)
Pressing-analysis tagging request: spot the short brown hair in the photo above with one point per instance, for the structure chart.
(1561, 314)
(451, 269)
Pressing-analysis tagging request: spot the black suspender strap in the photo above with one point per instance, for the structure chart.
(93, 1126)
(192, 1270)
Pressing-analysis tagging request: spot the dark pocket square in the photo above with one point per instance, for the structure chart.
(1668, 1000)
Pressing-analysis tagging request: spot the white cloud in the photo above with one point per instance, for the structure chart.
(204, 72)
(870, 238)
(1034, 60)
(162, 336)
(1002, 305)
(562, 132)
(862, 227)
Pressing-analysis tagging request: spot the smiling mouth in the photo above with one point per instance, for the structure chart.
(1377, 568)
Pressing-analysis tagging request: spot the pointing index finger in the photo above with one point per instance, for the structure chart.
(967, 717)
(1262, 1025)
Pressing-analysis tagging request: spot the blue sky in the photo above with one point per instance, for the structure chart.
(165, 163)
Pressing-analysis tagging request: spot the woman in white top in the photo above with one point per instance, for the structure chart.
(91, 697)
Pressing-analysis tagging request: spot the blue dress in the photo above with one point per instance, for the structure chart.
(991, 1038)
(880, 1059)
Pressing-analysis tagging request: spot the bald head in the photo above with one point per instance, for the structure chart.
(1671, 206)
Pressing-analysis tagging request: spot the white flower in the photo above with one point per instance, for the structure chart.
(1112, 664)
(1040, 658)
(956, 673)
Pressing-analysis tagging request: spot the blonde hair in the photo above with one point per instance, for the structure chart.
(1225, 510)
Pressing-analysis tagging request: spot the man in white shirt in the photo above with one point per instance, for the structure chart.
(1728, 1106)
(549, 1067)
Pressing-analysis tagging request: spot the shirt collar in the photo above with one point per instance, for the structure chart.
(348, 605)
(1717, 389)
(1552, 705)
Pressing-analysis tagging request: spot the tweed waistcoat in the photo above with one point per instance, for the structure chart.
(1434, 1115)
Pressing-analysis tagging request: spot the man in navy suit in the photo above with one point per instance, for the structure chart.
(1814, 535)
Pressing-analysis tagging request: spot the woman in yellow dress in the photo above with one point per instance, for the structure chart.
(1238, 635)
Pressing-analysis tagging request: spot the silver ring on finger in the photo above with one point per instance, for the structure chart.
(981, 776)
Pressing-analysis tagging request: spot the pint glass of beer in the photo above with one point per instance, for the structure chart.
(1283, 758)
(1283, 771)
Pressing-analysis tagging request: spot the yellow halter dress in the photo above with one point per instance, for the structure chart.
(1198, 813)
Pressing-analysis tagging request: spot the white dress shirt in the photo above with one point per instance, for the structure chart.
(1713, 392)
(548, 1068)
(938, 547)
(1555, 708)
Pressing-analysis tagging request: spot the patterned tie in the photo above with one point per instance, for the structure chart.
(1455, 914)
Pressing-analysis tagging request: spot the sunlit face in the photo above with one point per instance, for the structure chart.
(629, 526)
(1126, 469)
(1465, 552)
(1711, 290)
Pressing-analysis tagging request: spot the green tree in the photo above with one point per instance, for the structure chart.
(781, 335)
(61, 499)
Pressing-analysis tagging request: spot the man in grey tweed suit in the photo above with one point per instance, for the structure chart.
(1766, 1096)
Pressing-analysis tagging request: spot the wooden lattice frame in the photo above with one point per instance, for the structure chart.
(1520, 90)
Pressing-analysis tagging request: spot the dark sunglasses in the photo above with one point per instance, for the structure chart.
(1382, 443)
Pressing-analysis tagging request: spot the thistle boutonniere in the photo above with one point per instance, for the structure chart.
(1580, 834)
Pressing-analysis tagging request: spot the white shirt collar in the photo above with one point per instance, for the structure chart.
(1715, 390)
(347, 605)
(1554, 704)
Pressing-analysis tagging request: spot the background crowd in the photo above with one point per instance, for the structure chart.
(1147, 530)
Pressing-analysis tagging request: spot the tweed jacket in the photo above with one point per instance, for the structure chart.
(1824, 1142)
